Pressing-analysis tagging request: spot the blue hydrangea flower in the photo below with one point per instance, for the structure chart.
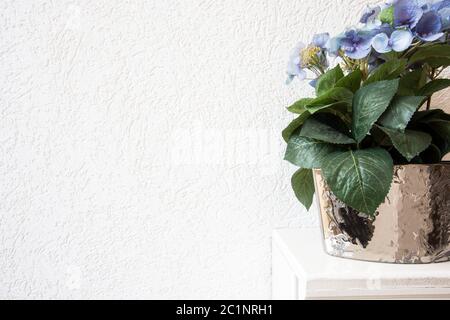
(320, 40)
(407, 13)
(334, 45)
(443, 9)
(399, 41)
(440, 5)
(370, 14)
(294, 68)
(355, 44)
(429, 26)
(445, 18)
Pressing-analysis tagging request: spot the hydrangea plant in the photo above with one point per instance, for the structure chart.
(373, 84)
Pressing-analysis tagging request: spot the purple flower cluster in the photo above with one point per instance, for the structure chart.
(392, 26)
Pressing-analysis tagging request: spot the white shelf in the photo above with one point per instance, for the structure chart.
(302, 270)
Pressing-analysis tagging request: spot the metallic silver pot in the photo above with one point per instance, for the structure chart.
(411, 226)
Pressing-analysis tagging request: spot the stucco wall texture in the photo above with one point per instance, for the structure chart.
(140, 148)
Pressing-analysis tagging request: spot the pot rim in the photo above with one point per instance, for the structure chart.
(411, 165)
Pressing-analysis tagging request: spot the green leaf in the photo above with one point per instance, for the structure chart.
(299, 106)
(436, 55)
(306, 152)
(400, 111)
(352, 81)
(294, 125)
(303, 184)
(434, 86)
(426, 115)
(409, 143)
(326, 107)
(442, 127)
(412, 82)
(333, 97)
(387, 71)
(387, 15)
(369, 103)
(361, 178)
(429, 115)
(431, 155)
(437, 123)
(328, 80)
(326, 127)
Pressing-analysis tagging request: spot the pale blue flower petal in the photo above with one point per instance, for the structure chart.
(358, 53)
(440, 5)
(445, 18)
(433, 37)
(289, 79)
(302, 74)
(313, 83)
(370, 14)
(294, 64)
(333, 45)
(381, 43)
(401, 40)
(321, 39)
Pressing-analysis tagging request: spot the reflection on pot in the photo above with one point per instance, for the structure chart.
(411, 226)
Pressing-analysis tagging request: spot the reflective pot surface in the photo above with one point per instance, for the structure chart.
(411, 226)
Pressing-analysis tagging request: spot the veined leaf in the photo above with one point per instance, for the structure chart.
(306, 152)
(387, 71)
(328, 80)
(436, 55)
(431, 155)
(412, 82)
(299, 106)
(409, 143)
(352, 81)
(429, 115)
(294, 125)
(361, 178)
(331, 97)
(434, 86)
(303, 184)
(400, 111)
(335, 105)
(369, 103)
(442, 127)
(326, 127)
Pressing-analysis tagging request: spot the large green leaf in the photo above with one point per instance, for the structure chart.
(299, 106)
(361, 178)
(306, 152)
(442, 129)
(303, 184)
(437, 123)
(387, 71)
(328, 80)
(326, 127)
(432, 154)
(400, 111)
(436, 55)
(369, 103)
(434, 86)
(409, 143)
(294, 125)
(412, 82)
(352, 81)
(429, 115)
(333, 97)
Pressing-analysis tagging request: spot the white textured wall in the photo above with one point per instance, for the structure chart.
(101, 104)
